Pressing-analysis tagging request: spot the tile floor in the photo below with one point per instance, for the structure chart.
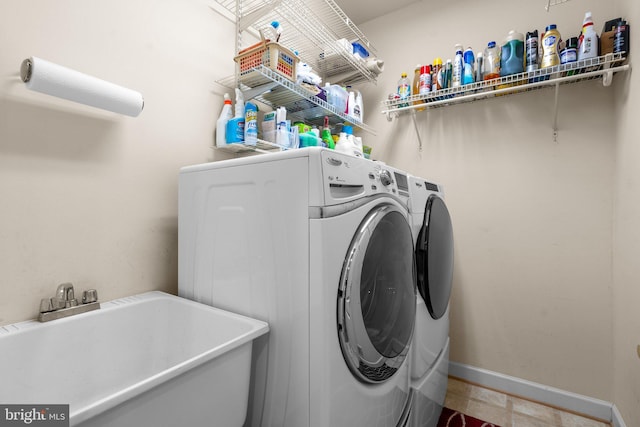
(510, 411)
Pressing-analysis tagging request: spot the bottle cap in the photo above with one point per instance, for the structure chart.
(347, 129)
(491, 44)
(458, 47)
(425, 69)
(437, 61)
(403, 75)
(550, 27)
(513, 35)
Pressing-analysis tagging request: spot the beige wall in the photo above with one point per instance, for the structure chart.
(626, 237)
(90, 196)
(532, 218)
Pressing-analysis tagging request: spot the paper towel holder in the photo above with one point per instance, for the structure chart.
(131, 106)
(25, 70)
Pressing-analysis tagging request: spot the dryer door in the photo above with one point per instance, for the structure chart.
(377, 295)
(434, 257)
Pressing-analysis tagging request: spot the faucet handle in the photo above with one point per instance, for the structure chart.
(45, 305)
(89, 296)
(57, 303)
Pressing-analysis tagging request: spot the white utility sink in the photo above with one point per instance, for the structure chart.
(152, 359)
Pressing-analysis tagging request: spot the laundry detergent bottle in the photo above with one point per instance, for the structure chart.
(512, 54)
(588, 41)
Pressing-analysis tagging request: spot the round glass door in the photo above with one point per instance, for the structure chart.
(377, 295)
(434, 257)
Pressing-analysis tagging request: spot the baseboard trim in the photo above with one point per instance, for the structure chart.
(552, 396)
(617, 420)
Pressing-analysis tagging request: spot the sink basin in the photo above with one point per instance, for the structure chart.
(152, 359)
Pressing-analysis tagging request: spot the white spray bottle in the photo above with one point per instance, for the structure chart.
(235, 126)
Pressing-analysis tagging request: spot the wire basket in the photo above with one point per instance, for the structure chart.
(268, 54)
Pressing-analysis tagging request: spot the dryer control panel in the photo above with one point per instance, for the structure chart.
(346, 178)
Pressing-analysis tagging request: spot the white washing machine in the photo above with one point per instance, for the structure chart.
(319, 245)
(433, 235)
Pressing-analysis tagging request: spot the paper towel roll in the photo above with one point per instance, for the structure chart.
(53, 79)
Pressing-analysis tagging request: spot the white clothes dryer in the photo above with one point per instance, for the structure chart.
(319, 245)
(433, 235)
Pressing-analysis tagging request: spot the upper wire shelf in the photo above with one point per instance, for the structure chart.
(588, 69)
(554, 3)
(311, 28)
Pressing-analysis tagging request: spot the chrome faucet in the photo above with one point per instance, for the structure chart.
(65, 304)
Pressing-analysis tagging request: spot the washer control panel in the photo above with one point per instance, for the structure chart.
(347, 177)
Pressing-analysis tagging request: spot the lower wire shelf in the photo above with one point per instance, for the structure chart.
(261, 146)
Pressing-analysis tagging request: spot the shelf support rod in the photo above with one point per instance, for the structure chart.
(415, 124)
(555, 114)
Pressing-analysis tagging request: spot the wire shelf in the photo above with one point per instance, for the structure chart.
(311, 28)
(554, 3)
(260, 147)
(588, 69)
(275, 90)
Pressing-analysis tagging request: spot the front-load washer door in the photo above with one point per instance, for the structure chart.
(434, 257)
(377, 295)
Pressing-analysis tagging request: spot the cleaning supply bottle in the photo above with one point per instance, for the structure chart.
(621, 37)
(327, 139)
(221, 125)
(448, 75)
(251, 124)
(358, 108)
(491, 62)
(479, 67)
(346, 144)
(404, 89)
(531, 48)
(588, 41)
(424, 86)
(351, 103)
(282, 129)
(437, 74)
(415, 87)
(235, 126)
(458, 67)
(273, 31)
(468, 76)
(550, 47)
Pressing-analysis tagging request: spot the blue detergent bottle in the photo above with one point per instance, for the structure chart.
(512, 54)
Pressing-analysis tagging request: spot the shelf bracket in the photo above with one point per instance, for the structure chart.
(253, 92)
(555, 114)
(415, 124)
(607, 77)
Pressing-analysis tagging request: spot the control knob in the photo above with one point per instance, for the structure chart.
(385, 177)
